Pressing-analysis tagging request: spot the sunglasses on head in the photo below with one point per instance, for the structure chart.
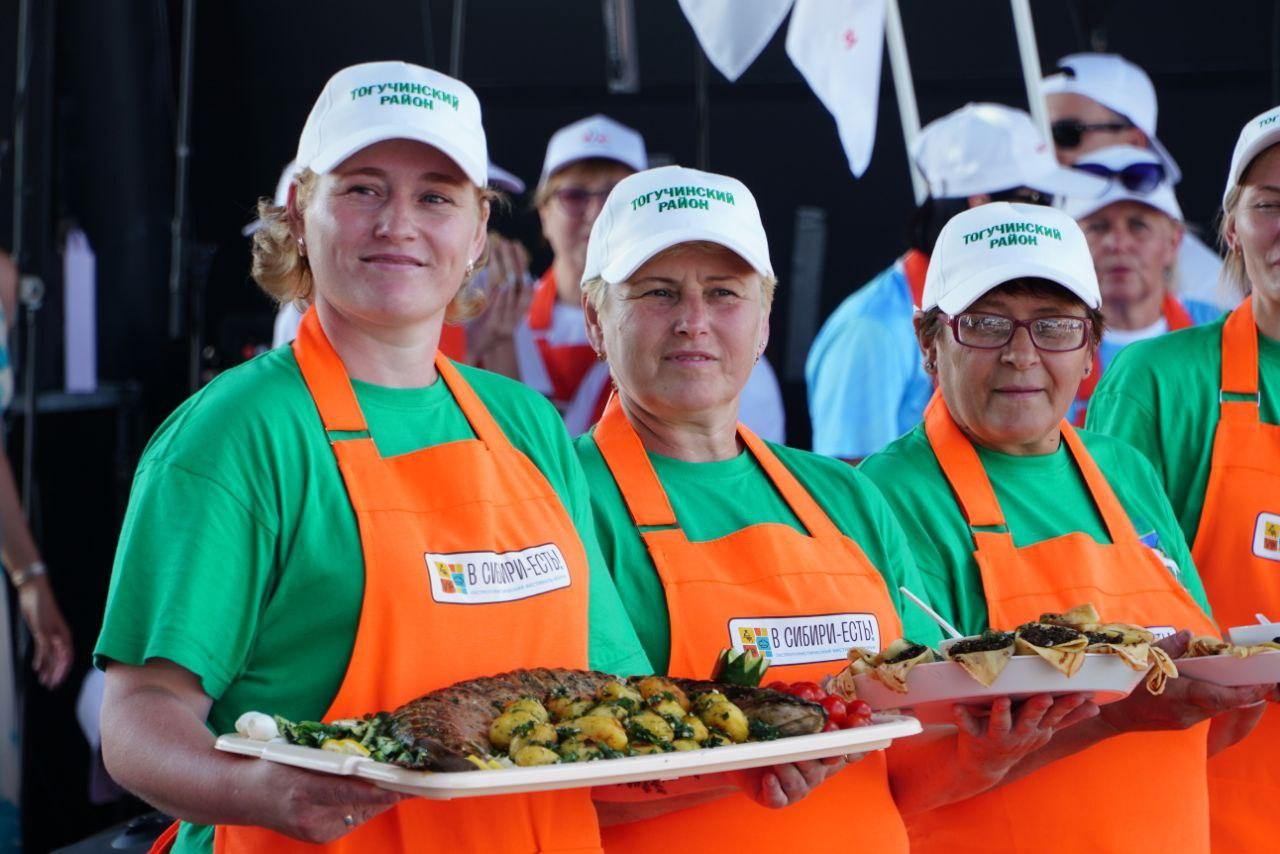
(1136, 177)
(1023, 195)
(1068, 133)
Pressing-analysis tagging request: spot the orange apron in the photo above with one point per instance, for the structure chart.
(422, 517)
(1134, 792)
(737, 591)
(1175, 316)
(1242, 577)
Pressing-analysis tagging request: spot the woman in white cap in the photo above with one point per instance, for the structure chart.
(1011, 513)
(866, 385)
(1167, 397)
(1134, 230)
(273, 554)
(584, 161)
(715, 536)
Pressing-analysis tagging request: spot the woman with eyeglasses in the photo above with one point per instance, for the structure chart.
(1203, 406)
(584, 161)
(1011, 513)
(1134, 231)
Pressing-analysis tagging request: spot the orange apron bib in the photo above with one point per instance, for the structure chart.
(417, 630)
(722, 593)
(1135, 792)
(1242, 577)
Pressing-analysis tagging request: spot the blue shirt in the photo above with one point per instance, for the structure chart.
(867, 384)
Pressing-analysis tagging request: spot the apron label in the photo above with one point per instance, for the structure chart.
(477, 578)
(1162, 632)
(805, 640)
(1266, 536)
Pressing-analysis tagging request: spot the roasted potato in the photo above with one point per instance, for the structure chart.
(606, 730)
(710, 698)
(659, 686)
(541, 734)
(579, 749)
(509, 724)
(669, 709)
(530, 705)
(535, 754)
(607, 710)
(567, 708)
(727, 718)
(651, 727)
(642, 748)
(697, 729)
(617, 692)
(686, 744)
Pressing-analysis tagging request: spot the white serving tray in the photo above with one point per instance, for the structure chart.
(933, 688)
(1253, 633)
(629, 769)
(1229, 671)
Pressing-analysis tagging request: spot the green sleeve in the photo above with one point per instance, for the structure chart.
(901, 571)
(192, 570)
(1172, 540)
(1124, 406)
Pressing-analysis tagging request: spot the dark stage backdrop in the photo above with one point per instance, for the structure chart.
(108, 135)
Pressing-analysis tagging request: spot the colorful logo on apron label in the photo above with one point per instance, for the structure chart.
(1161, 632)
(1266, 536)
(477, 578)
(805, 640)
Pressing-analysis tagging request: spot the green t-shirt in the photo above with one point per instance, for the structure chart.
(240, 556)
(715, 499)
(1042, 497)
(1161, 396)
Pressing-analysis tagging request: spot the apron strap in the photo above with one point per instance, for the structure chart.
(1240, 354)
(1119, 526)
(807, 510)
(632, 470)
(477, 414)
(960, 464)
(326, 378)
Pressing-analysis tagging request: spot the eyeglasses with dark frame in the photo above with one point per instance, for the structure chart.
(1069, 133)
(1136, 177)
(574, 200)
(1053, 334)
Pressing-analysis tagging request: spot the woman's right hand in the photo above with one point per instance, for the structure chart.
(990, 745)
(314, 807)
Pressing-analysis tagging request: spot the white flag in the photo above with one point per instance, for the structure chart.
(733, 32)
(837, 45)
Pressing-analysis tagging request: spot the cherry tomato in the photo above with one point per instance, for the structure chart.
(779, 685)
(808, 691)
(831, 726)
(837, 711)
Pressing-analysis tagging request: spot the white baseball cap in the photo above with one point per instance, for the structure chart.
(1115, 159)
(1120, 86)
(376, 101)
(592, 137)
(656, 209)
(504, 180)
(987, 148)
(982, 248)
(1260, 133)
(280, 199)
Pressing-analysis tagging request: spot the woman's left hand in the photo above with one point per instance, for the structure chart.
(991, 746)
(53, 650)
(779, 786)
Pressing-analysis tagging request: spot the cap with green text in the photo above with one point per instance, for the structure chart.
(653, 210)
(1260, 133)
(375, 101)
(984, 247)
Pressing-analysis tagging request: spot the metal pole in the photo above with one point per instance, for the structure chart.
(428, 37)
(1030, 54)
(905, 90)
(455, 41)
(20, 97)
(178, 225)
(702, 106)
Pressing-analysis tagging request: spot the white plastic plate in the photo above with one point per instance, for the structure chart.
(933, 688)
(1227, 670)
(1254, 634)
(629, 769)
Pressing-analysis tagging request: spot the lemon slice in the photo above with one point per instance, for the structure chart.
(349, 746)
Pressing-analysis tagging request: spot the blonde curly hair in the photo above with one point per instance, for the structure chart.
(285, 275)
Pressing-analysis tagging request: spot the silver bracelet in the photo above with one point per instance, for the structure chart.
(34, 570)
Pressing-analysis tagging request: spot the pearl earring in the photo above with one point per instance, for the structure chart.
(302, 247)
